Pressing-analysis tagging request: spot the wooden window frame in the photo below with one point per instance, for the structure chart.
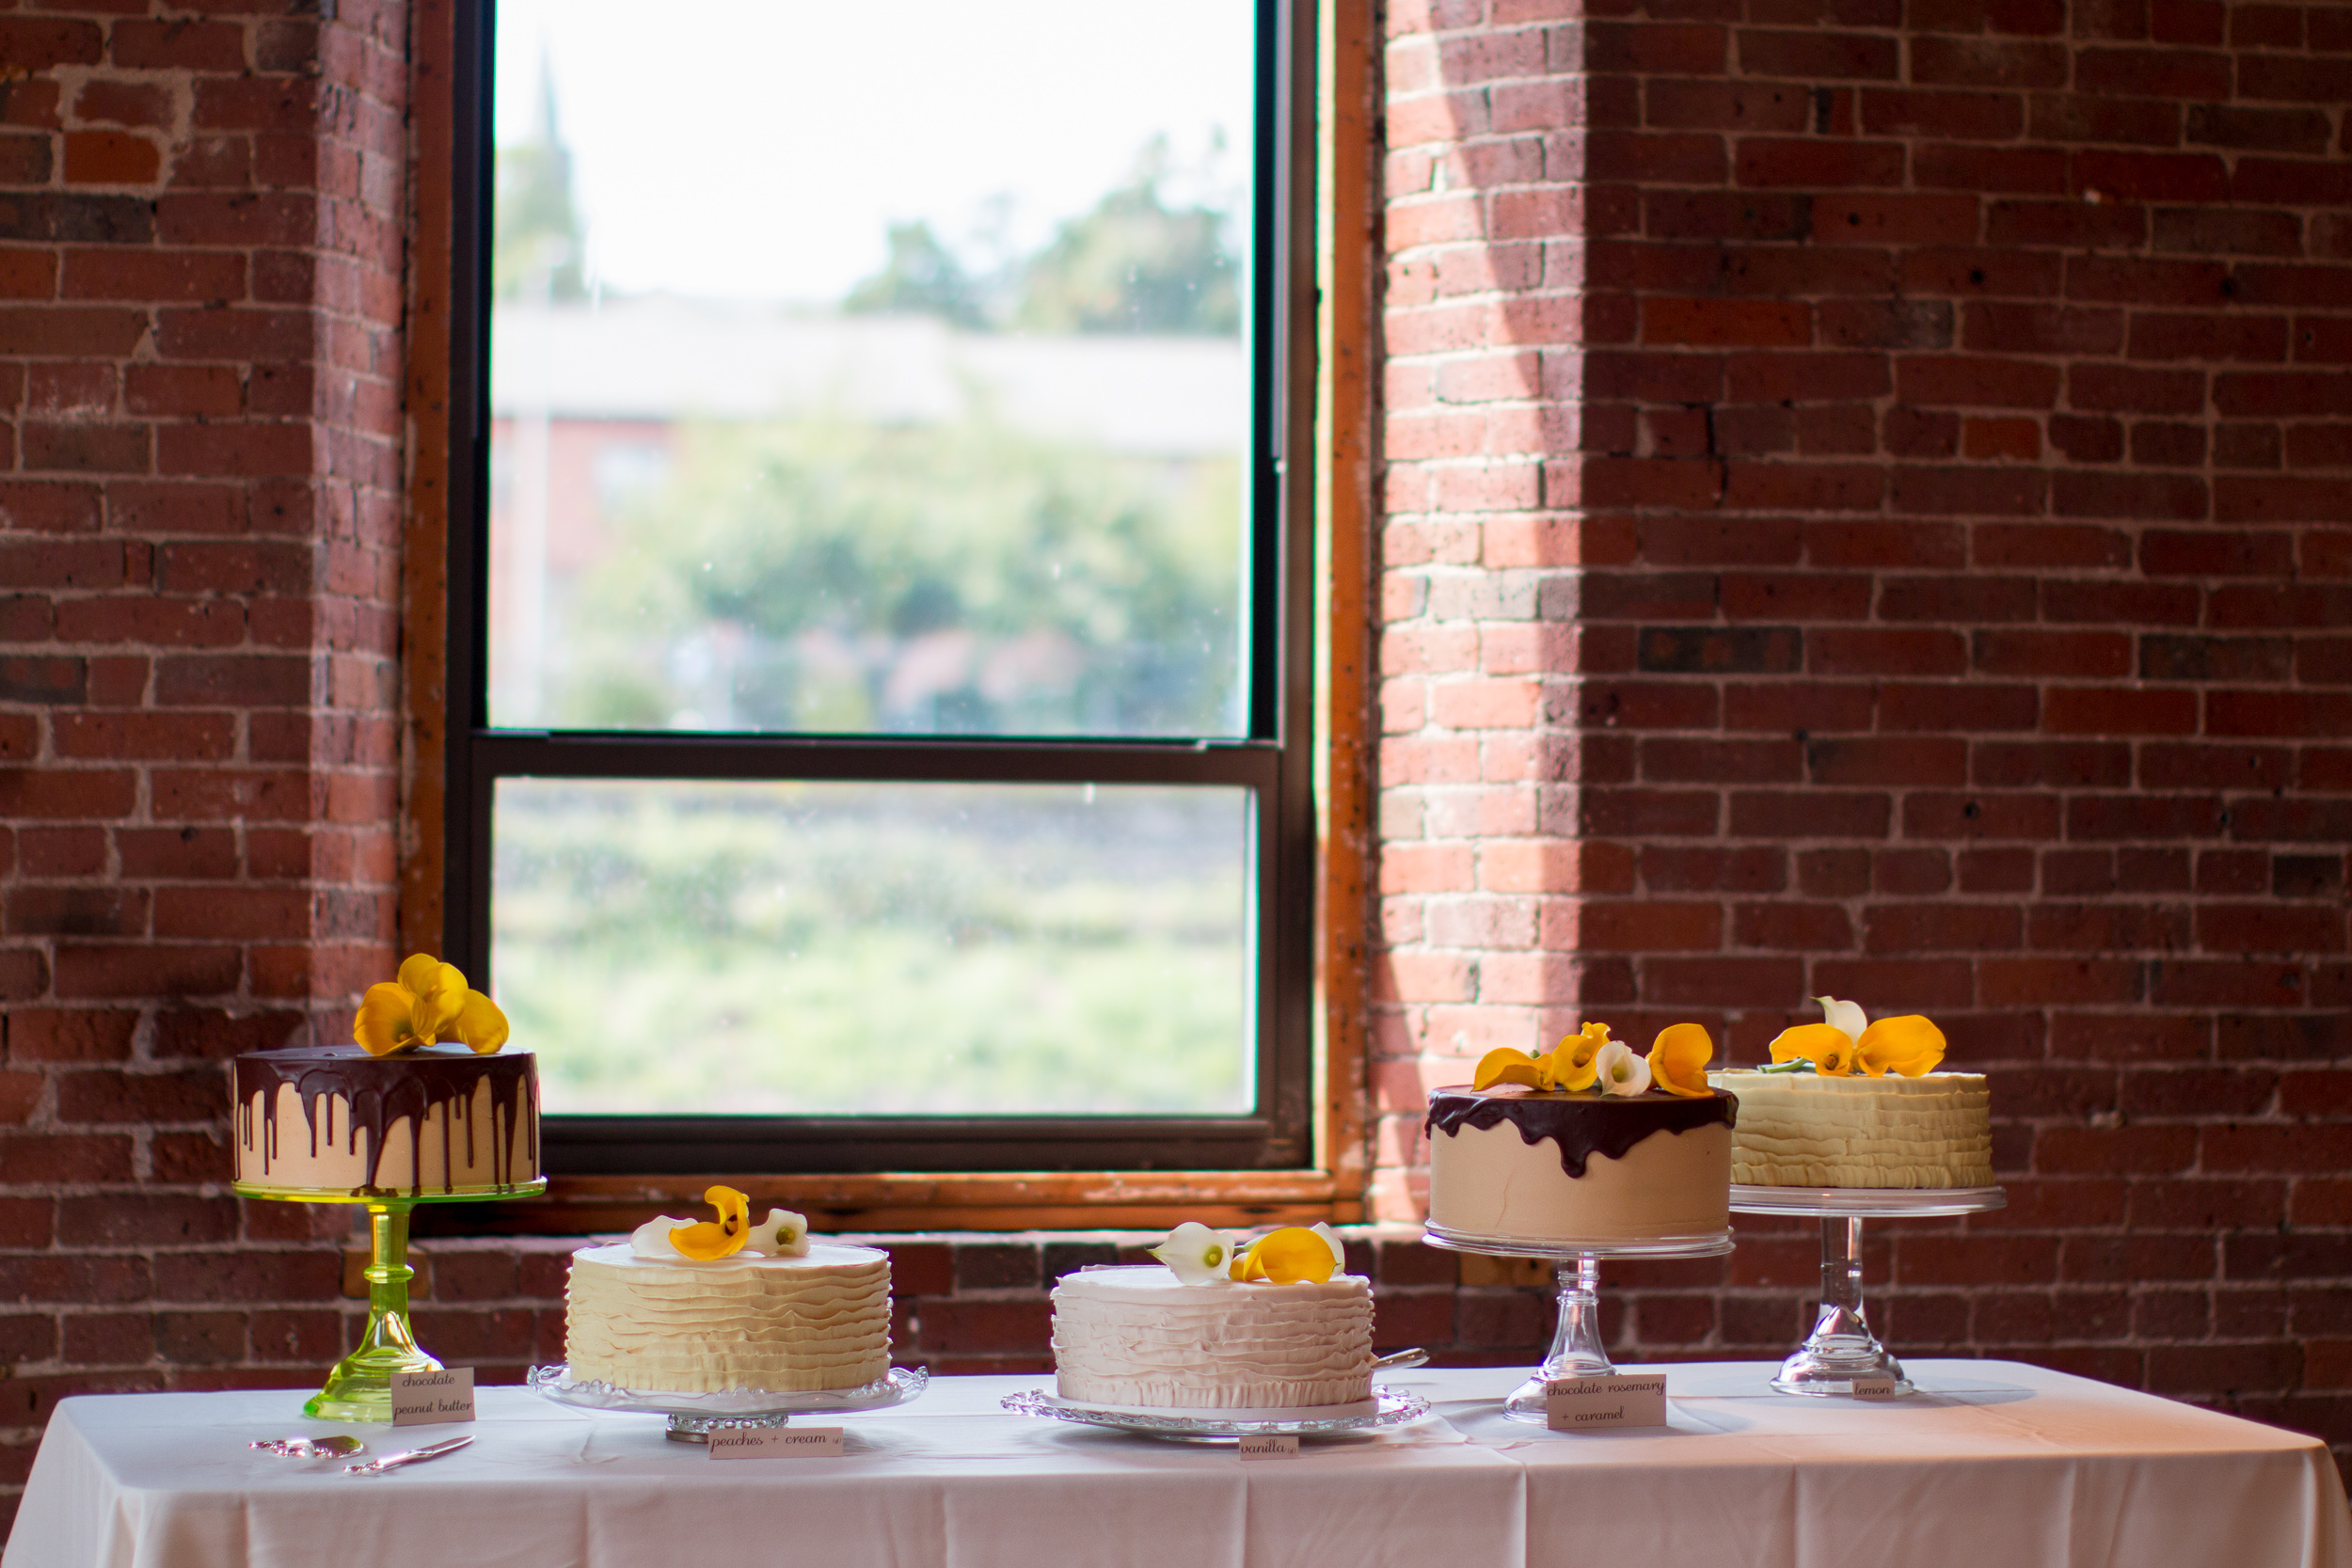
(1329, 315)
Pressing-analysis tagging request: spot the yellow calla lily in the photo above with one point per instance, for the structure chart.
(1830, 1049)
(711, 1240)
(429, 1002)
(1290, 1255)
(1568, 1064)
(1679, 1058)
(1909, 1045)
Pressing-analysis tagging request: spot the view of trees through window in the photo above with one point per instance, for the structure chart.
(932, 427)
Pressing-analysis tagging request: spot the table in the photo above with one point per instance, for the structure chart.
(1992, 1463)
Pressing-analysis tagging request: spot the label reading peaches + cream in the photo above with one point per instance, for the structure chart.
(429, 1399)
(1605, 1403)
(776, 1443)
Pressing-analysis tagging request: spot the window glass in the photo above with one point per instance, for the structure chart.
(908, 948)
(880, 369)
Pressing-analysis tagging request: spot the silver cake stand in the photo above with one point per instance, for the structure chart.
(1576, 1345)
(1841, 1356)
(694, 1417)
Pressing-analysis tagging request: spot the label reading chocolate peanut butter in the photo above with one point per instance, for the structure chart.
(429, 1399)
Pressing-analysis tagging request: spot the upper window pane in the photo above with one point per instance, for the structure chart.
(881, 372)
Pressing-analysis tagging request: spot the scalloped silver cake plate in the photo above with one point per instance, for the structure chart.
(897, 1386)
(1391, 1407)
(1894, 1203)
(1703, 1243)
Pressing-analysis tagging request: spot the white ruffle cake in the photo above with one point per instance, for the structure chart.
(1140, 1338)
(1805, 1130)
(776, 1325)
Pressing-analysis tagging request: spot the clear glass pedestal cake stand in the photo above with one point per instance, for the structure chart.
(1841, 1357)
(1576, 1350)
(692, 1418)
(360, 1386)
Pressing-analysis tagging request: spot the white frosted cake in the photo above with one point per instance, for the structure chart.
(1524, 1164)
(686, 1326)
(1815, 1130)
(1139, 1339)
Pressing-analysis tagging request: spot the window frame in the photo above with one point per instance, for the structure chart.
(1288, 1131)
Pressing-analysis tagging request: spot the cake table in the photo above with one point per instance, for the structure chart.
(1576, 1350)
(1841, 1357)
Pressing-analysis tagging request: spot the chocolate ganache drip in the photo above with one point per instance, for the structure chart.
(1582, 1124)
(380, 1091)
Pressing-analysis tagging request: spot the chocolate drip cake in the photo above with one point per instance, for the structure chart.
(1556, 1167)
(335, 1120)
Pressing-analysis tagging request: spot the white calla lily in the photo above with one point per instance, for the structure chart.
(1196, 1254)
(1844, 1015)
(652, 1239)
(1621, 1072)
(783, 1234)
(1331, 1240)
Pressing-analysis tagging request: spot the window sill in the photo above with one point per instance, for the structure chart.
(1106, 1200)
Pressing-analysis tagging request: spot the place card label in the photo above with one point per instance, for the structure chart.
(1270, 1445)
(429, 1399)
(1605, 1403)
(1873, 1388)
(776, 1443)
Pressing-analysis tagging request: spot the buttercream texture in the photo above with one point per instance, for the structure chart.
(1805, 1130)
(775, 1324)
(1140, 1336)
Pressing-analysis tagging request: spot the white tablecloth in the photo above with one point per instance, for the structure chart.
(1997, 1465)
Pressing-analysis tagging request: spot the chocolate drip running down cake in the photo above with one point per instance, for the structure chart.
(335, 1120)
(687, 1325)
(1138, 1338)
(1813, 1130)
(1553, 1167)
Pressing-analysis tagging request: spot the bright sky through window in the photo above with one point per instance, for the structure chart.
(1000, 125)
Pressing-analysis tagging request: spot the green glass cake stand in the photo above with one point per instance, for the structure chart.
(360, 1386)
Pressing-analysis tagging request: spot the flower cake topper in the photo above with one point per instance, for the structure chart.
(429, 1002)
(1677, 1064)
(1848, 1042)
(783, 1234)
(1295, 1254)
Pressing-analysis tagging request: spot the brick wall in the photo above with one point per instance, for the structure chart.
(1864, 513)
(1867, 514)
(200, 284)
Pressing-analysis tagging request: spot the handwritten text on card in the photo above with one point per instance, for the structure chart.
(1605, 1403)
(428, 1399)
(776, 1443)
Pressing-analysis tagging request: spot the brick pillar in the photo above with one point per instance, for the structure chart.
(1866, 501)
(200, 287)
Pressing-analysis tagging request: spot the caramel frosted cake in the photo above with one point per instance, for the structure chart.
(1216, 1327)
(395, 1112)
(704, 1308)
(1851, 1104)
(1585, 1143)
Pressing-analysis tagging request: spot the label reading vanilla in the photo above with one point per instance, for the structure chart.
(429, 1399)
(776, 1443)
(1270, 1445)
(1605, 1403)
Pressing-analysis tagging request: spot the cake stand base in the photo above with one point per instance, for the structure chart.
(1577, 1349)
(1841, 1357)
(360, 1386)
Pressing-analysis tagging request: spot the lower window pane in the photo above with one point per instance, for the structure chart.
(913, 949)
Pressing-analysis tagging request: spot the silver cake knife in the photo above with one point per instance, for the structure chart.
(394, 1460)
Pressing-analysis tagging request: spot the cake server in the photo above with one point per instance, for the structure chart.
(394, 1460)
(332, 1446)
(1399, 1360)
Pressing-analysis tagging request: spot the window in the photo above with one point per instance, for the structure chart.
(878, 645)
